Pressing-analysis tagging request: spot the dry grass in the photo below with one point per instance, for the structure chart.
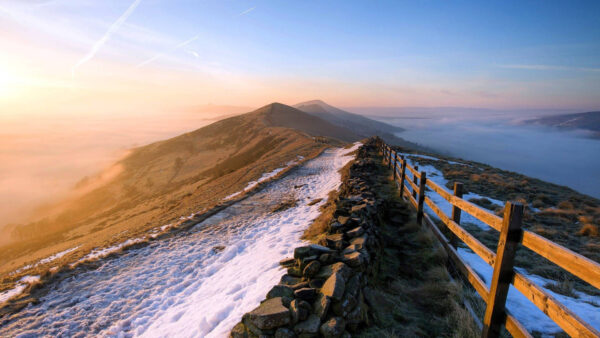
(160, 183)
(565, 217)
(413, 290)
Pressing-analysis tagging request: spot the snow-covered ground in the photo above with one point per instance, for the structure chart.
(196, 283)
(525, 311)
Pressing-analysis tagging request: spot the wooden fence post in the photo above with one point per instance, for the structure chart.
(402, 175)
(390, 158)
(510, 236)
(458, 192)
(423, 181)
(415, 181)
(394, 166)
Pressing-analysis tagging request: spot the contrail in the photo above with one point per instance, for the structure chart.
(113, 28)
(159, 55)
(247, 11)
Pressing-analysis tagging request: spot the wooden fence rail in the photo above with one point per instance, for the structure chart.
(511, 236)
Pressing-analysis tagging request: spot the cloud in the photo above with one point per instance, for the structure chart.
(550, 67)
(112, 29)
(246, 11)
(159, 55)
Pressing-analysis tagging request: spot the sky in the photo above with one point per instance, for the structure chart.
(74, 57)
(83, 81)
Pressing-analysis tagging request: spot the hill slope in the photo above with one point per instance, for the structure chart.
(359, 124)
(160, 182)
(586, 121)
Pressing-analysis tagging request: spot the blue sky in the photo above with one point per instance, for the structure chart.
(509, 54)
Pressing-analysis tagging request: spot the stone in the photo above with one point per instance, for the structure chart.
(294, 271)
(335, 241)
(309, 326)
(299, 285)
(299, 310)
(280, 291)
(343, 220)
(326, 258)
(333, 328)
(301, 252)
(335, 227)
(305, 294)
(308, 259)
(349, 249)
(343, 307)
(287, 262)
(358, 209)
(268, 315)
(328, 270)
(334, 286)
(284, 332)
(355, 232)
(321, 306)
(360, 241)
(311, 269)
(354, 259)
(289, 280)
(353, 285)
(317, 249)
(316, 283)
(239, 331)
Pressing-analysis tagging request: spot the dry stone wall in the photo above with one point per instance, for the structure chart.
(323, 292)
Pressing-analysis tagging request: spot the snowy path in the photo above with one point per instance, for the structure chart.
(185, 285)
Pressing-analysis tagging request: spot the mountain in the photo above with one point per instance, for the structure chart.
(160, 182)
(359, 124)
(587, 121)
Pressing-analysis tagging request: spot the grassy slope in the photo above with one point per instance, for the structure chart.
(565, 216)
(165, 180)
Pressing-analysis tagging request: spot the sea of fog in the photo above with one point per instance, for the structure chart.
(565, 158)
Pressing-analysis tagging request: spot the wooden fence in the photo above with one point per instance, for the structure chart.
(511, 235)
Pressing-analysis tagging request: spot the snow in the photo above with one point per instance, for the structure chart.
(180, 285)
(436, 176)
(45, 260)
(57, 255)
(432, 158)
(525, 311)
(101, 253)
(266, 176)
(19, 288)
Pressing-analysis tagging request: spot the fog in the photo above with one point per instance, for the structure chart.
(565, 158)
(43, 158)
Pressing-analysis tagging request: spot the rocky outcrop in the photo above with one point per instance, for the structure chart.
(322, 293)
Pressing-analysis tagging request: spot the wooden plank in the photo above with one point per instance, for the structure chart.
(560, 314)
(481, 214)
(414, 170)
(573, 262)
(470, 275)
(410, 198)
(441, 191)
(413, 185)
(421, 197)
(481, 250)
(403, 176)
(510, 236)
(415, 180)
(458, 192)
(516, 329)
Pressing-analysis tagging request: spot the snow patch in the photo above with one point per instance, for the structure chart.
(179, 285)
(19, 288)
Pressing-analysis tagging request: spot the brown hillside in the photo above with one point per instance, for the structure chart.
(162, 181)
